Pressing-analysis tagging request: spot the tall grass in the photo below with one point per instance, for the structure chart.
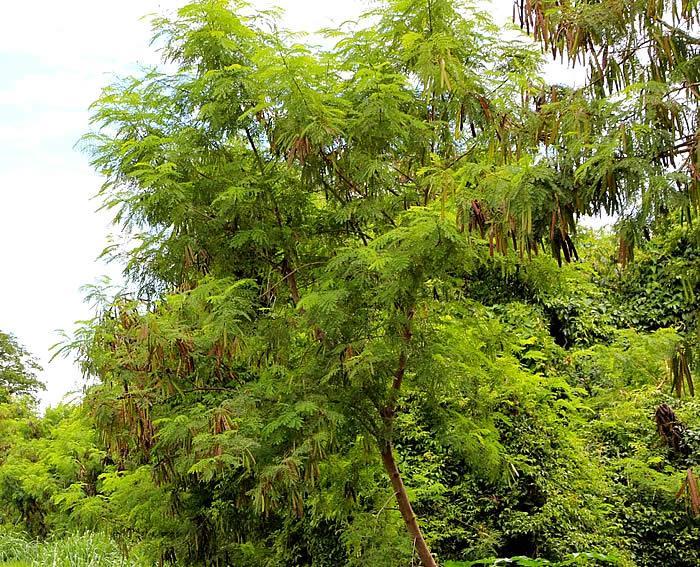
(74, 550)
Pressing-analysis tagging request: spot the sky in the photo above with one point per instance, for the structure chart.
(54, 59)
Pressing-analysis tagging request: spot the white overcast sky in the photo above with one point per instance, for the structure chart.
(54, 58)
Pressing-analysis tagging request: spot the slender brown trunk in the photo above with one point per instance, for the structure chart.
(386, 448)
(405, 507)
(287, 272)
(290, 275)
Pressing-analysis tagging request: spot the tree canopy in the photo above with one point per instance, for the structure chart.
(359, 303)
(18, 369)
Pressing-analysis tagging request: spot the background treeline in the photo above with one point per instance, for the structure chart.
(360, 324)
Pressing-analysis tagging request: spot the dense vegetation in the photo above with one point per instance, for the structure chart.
(361, 324)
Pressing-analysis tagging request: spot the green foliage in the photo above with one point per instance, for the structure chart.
(339, 312)
(641, 57)
(47, 467)
(79, 550)
(18, 369)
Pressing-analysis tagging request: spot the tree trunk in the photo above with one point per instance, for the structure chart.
(405, 507)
